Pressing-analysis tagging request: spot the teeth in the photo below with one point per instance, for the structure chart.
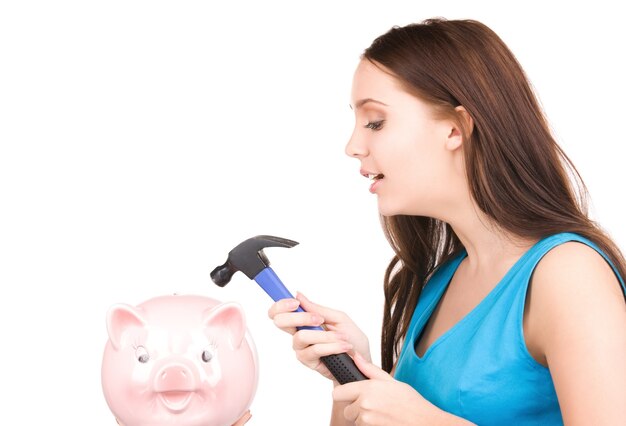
(373, 176)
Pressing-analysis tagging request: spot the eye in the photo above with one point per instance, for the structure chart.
(207, 354)
(141, 354)
(375, 125)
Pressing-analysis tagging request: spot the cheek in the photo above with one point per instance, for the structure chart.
(413, 159)
(415, 168)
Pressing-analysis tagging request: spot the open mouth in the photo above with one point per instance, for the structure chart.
(372, 176)
(175, 401)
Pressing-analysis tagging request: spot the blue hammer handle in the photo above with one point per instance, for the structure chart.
(342, 366)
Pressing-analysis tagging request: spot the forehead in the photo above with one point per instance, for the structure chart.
(370, 79)
(373, 81)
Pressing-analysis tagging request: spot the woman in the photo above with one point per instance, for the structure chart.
(504, 302)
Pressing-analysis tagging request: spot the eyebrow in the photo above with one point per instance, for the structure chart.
(362, 102)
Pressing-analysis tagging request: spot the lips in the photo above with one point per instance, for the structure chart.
(372, 175)
(175, 401)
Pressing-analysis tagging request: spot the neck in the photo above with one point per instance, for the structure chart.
(489, 247)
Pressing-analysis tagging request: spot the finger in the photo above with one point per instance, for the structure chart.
(370, 370)
(304, 338)
(311, 355)
(291, 320)
(349, 392)
(244, 419)
(283, 305)
(330, 315)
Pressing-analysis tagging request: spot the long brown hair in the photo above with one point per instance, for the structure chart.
(517, 174)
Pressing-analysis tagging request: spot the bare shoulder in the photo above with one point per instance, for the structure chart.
(571, 285)
(575, 322)
(573, 289)
(572, 270)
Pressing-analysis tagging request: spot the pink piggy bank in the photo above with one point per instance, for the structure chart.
(179, 360)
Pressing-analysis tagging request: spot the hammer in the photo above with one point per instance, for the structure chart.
(248, 257)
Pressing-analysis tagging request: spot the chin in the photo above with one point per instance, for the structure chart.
(388, 211)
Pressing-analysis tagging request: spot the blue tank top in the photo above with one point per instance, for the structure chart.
(480, 369)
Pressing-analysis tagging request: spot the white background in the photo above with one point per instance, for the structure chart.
(142, 140)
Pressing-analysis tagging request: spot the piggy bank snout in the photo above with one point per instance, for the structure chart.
(174, 377)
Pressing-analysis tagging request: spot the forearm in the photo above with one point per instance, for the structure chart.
(447, 419)
(443, 419)
(457, 421)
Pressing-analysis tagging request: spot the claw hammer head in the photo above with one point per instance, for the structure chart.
(248, 257)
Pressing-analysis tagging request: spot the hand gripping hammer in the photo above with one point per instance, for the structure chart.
(248, 257)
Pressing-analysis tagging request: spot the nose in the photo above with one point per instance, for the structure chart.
(356, 146)
(174, 377)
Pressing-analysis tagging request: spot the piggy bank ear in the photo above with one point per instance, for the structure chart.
(229, 319)
(120, 319)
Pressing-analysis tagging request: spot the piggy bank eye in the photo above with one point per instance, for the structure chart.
(207, 355)
(141, 354)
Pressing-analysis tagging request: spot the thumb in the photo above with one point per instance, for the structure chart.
(369, 369)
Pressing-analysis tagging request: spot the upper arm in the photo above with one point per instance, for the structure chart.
(578, 321)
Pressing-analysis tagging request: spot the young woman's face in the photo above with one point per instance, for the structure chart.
(400, 145)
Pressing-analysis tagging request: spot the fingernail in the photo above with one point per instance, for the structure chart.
(317, 319)
(293, 304)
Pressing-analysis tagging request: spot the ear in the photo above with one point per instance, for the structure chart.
(457, 133)
(229, 319)
(120, 318)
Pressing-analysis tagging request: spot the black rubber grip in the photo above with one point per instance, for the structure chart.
(343, 368)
